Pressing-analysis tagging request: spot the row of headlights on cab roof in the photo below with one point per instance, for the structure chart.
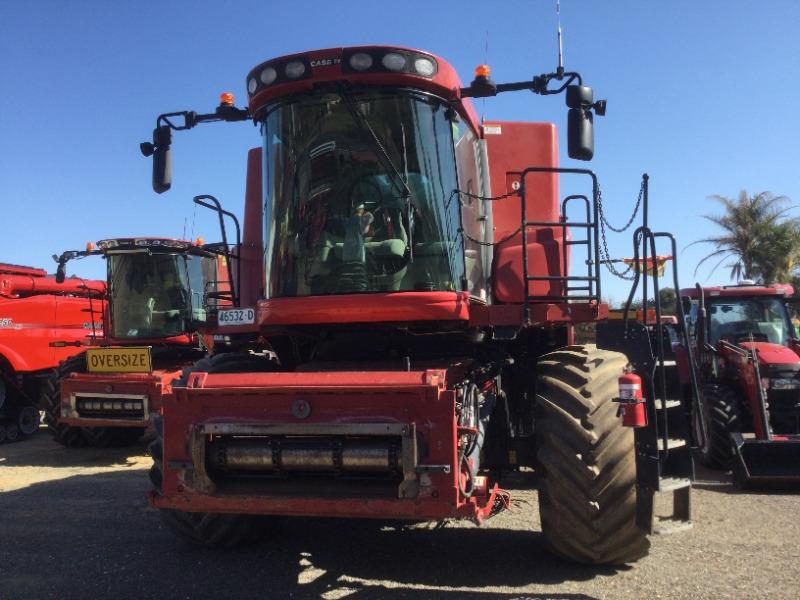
(106, 244)
(360, 61)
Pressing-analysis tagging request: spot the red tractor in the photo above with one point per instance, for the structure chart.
(159, 291)
(403, 327)
(748, 353)
(41, 323)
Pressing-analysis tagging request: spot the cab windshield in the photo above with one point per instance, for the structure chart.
(360, 195)
(737, 320)
(158, 295)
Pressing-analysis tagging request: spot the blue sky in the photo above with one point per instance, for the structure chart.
(702, 96)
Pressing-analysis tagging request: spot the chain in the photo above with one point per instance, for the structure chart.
(465, 235)
(605, 256)
(484, 198)
(487, 244)
(633, 216)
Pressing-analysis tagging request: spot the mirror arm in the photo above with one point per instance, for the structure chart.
(483, 87)
(66, 256)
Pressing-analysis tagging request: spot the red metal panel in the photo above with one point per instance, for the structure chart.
(250, 262)
(772, 354)
(776, 289)
(154, 386)
(364, 308)
(405, 398)
(512, 147)
(28, 326)
(541, 314)
(9, 269)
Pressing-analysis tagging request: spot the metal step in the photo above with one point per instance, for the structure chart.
(672, 443)
(667, 526)
(670, 484)
(671, 403)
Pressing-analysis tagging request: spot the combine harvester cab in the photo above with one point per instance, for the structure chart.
(749, 357)
(42, 322)
(402, 334)
(159, 292)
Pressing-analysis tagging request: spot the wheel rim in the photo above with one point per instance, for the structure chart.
(12, 433)
(28, 420)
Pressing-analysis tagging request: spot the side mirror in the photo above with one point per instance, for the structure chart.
(580, 133)
(579, 96)
(162, 159)
(61, 272)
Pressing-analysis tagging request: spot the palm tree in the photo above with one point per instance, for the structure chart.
(779, 252)
(749, 223)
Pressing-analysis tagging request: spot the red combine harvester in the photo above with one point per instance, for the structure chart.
(41, 323)
(159, 291)
(748, 354)
(403, 330)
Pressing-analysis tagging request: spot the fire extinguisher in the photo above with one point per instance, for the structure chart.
(631, 400)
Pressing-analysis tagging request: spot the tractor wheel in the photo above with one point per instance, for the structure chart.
(12, 432)
(209, 529)
(2, 433)
(587, 495)
(50, 403)
(28, 419)
(722, 416)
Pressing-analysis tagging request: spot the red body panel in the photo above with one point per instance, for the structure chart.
(365, 308)
(35, 311)
(151, 388)
(512, 147)
(417, 399)
(749, 384)
(252, 251)
(776, 289)
(772, 354)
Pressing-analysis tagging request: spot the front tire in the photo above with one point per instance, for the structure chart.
(50, 403)
(722, 417)
(587, 496)
(208, 529)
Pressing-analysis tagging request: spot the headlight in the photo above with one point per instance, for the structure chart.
(361, 61)
(269, 75)
(394, 61)
(784, 384)
(294, 69)
(251, 86)
(425, 66)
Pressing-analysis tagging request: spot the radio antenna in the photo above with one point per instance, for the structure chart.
(560, 69)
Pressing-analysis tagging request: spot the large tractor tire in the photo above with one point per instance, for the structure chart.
(722, 416)
(50, 403)
(587, 494)
(215, 530)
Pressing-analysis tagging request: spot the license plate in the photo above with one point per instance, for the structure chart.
(119, 360)
(236, 316)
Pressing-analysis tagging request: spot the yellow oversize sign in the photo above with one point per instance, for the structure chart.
(119, 360)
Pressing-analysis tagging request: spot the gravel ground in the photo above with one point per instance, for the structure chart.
(76, 524)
